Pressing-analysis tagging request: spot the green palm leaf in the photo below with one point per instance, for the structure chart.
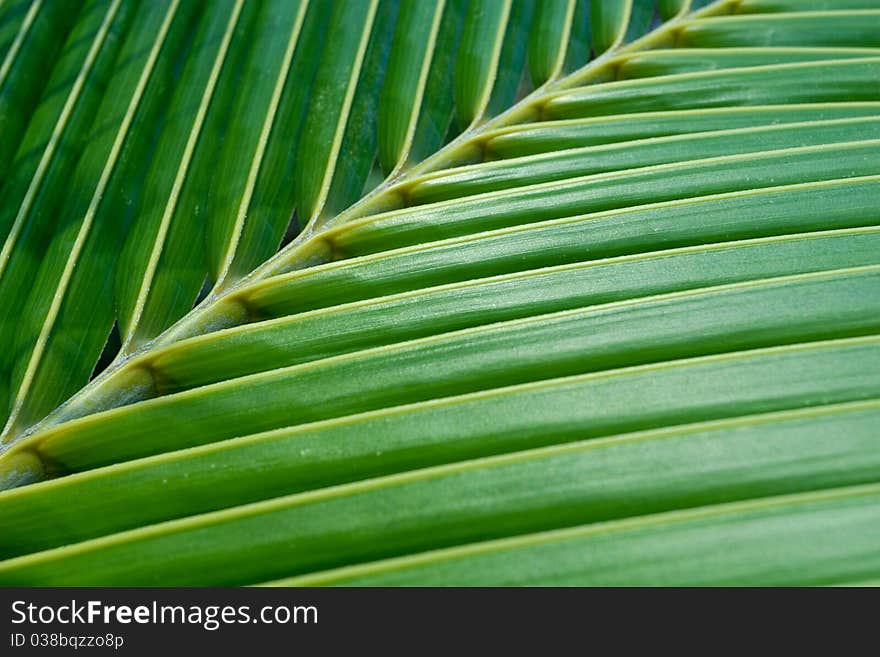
(418, 293)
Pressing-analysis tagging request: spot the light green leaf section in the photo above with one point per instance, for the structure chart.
(755, 455)
(764, 308)
(529, 139)
(549, 250)
(517, 351)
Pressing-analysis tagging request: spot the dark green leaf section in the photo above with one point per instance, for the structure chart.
(512, 58)
(436, 114)
(246, 197)
(640, 18)
(31, 35)
(548, 38)
(47, 158)
(609, 21)
(670, 8)
(357, 150)
(579, 39)
(476, 65)
(413, 47)
(810, 82)
(272, 207)
(164, 252)
(68, 329)
(331, 102)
